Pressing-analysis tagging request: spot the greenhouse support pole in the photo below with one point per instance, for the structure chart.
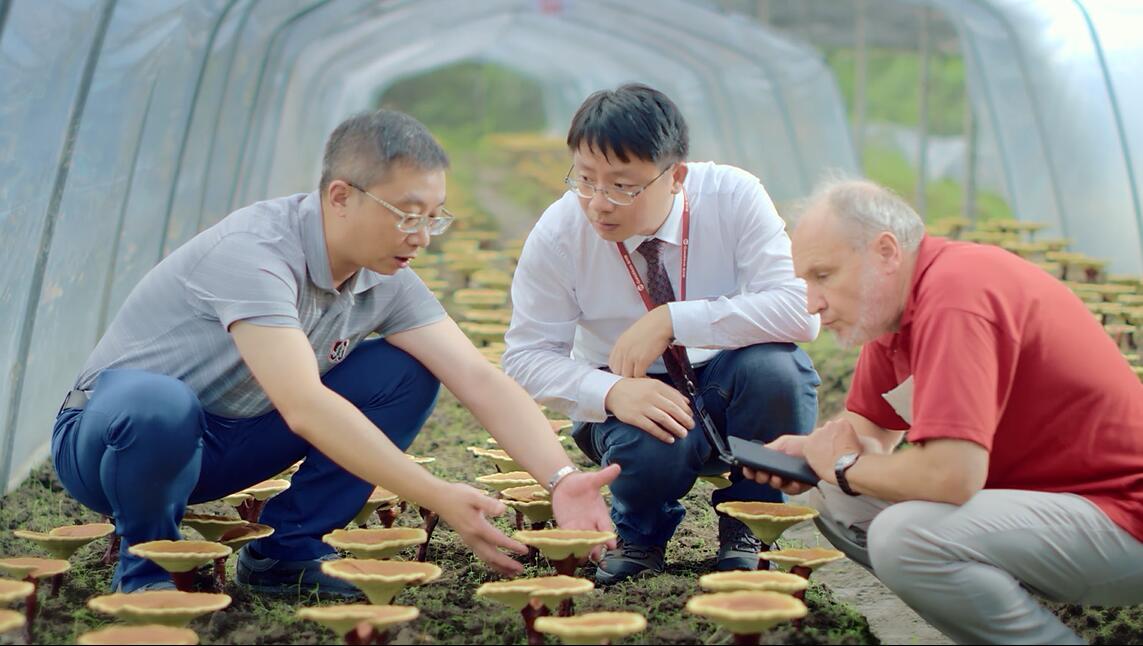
(923, 114)
(860, 66)
(970, 144)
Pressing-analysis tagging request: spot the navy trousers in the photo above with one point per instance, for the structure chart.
(143, 448)
(757, 392)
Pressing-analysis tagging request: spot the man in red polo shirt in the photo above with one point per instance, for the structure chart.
(1024, 469)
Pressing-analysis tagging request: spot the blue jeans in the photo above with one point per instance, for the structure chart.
(757, 392)
(143, 449)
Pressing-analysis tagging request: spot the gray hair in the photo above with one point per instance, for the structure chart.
(363, 148)
(869, 209)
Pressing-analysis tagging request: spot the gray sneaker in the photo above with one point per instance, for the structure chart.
(628, 561)
(737, 546)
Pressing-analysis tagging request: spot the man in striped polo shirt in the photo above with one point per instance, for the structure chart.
(245, 350)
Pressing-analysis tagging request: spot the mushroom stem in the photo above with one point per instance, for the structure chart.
(431, 519)
(57, 580)
(567, 608)
(381, 637)
(747, 640)
(184, 580)
(220, 573)
(805, 573)
(30, 606)
(530, 611)
(566, 566)
(519, 520)
(763, 564)
(250, 509)
(362, 633)
(112, 553)
(387, 516)
(539, 526)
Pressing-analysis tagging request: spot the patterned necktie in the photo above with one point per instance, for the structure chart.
(658, 282)
(659, 286)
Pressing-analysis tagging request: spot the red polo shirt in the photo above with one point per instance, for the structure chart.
(1005, 355)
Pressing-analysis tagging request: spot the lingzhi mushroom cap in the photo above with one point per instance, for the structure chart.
(11, 620)
(377, 499)
(550, 590)
(753, 580)
(33, 566)
(343, 618)
(381, 580)
(62, 542)
(592, 627)
(267, 488)
(211, 526)
(180, 556)
(558, 544)
(502, 481)
(767, 520)
(747, 612)
(166, 607)
(141, 634)
(499, 456)
(809, 557)
(515, 593)
(376, 543)
(12, 590)
(236, 537)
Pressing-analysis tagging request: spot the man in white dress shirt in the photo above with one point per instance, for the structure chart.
(647, 252)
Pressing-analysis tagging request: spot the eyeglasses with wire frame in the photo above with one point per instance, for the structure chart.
(412, 222)
(616, 196)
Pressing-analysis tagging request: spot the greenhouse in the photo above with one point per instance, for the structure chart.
(127, 127)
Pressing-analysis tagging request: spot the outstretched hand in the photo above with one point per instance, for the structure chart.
(466, 510)
(578, 504)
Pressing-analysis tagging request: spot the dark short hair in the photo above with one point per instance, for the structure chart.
(633, 120)
(363, 147)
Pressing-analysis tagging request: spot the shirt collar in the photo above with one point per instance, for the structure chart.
(317, 256)
(930, 248)
(671, 231)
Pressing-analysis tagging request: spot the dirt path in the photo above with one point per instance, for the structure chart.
(890, 619)
(514, 220)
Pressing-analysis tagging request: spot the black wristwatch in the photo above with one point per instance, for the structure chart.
(840, 467)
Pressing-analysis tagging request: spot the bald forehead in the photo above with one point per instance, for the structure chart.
(816, 239)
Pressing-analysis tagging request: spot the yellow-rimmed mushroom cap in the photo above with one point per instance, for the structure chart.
(12, 590)
(499, 456)
(551, 590)
(527, 493)
(211, 526)
(809, 557)
(479, 297)
(62, 542)
(236, 537)
(11, 620)
(342, 619)
(180, 556)
(747, 612)
(592, 627)
(557, 544)
(418, 459)
(267, 488)
(753, 580)
(767, 520)
(536, 511)
(515, 593)
(33, 566)
(236, 499)
(378, 543)
(720, 481)
(483, 332)
(379, 498)
(290, 470)
(381, 580)
(142, 634)
(503, 316)
(502, 481)
(166, 607)
(492, 278)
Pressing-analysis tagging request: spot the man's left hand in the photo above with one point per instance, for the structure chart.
(642, 343)
(578, 504)
(829, 442)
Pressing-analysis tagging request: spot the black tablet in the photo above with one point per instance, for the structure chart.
(757, 456)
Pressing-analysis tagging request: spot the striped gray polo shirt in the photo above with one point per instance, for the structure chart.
(267, 264)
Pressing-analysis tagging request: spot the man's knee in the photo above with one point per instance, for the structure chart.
(649, 462)
(148, 407)
(897, 537)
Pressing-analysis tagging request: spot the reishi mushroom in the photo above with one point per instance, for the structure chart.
(593, 627)
(381, 580)
(140, 634)
(767, 520)
(747, 613)
(180, 558)
(167, 607)
(357, 622)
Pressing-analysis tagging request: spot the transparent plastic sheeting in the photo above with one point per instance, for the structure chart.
(128, 126)
(1057, 85)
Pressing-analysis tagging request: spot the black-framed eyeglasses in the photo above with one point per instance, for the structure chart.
(412, 222)
(616, 196)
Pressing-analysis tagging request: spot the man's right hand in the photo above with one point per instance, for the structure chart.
(465, 508)
(651, 405)
(790, 445)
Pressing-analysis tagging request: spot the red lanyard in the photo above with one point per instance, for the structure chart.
(683, 262)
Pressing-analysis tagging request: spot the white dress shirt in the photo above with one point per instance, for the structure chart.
(572, 296)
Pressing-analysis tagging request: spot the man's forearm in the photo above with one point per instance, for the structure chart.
(873, 438)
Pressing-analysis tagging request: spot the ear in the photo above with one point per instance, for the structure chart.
(678, 176)
(887, 249)
(338, 194)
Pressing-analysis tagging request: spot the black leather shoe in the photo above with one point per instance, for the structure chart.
(737, 546)
(629, 561)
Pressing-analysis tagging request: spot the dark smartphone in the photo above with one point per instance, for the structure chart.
(756, 456)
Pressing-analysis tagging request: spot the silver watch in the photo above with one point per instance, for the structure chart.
(560, 474)
(840, 467)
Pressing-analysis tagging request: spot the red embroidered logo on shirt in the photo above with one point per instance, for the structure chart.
(339, 349)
